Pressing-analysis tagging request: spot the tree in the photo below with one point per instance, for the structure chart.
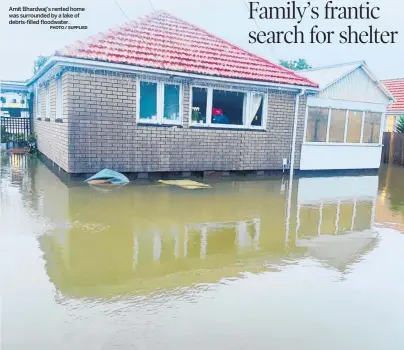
(299, 64)
(39, 63)
(400, 124)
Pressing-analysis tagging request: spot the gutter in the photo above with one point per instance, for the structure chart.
(125, 68)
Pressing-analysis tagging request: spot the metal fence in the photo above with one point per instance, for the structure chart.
(16, 126)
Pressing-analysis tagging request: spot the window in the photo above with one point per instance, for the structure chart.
(225, 108)
(337, 125)
(257, 109)
(48, 109)
(391, 123)
(172, 103)
(159, 103)
(38, 102)
(344, 126)
(354, 127)
(199, 105)
(317, 122)
(148, 101)
(228, 107)
(59, 98)
(371, 127)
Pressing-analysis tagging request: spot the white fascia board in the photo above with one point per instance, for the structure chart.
(88, 64)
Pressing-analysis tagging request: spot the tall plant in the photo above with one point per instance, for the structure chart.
(400, 124)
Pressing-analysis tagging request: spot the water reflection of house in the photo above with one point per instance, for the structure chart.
(343, 210)
(140, 239)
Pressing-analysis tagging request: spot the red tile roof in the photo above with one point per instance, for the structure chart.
(163, 41)
(396, 88)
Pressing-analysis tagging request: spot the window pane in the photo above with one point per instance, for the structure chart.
(317, 122)
(256, 110)
(171, 102)
(337, 125)
(148, 101)
(199, 105)
(228, 107)
(354, 127)
(371, 129)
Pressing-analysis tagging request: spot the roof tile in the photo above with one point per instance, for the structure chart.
(163, 41)
(396, 88)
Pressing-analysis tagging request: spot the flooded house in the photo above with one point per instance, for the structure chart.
(396, 110)
(162, 95)
(345, 121)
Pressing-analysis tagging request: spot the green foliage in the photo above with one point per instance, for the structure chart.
(299, 64)
(400, 124)
(39, 63)
(5, 136)
(31, 138)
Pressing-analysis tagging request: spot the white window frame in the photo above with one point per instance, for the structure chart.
(47, 102)
(160, 103)
(59, 98)
(327, 143)
(209, 106)
(38, 102)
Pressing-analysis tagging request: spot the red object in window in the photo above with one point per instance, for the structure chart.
(217, 111)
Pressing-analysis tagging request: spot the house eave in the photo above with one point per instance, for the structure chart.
(124, 68)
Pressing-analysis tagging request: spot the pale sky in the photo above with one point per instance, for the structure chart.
(228, 19)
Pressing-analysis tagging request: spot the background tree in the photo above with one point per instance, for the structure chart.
(400, 124)
(299, 64)
(39, 63)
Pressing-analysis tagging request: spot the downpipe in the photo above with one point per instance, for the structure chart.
(292, 165)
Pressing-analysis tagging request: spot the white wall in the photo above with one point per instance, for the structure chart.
(356, 86)
(340, 157)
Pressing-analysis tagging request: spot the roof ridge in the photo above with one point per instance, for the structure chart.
(359, 63)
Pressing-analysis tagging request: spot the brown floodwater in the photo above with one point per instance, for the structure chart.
(317, 263)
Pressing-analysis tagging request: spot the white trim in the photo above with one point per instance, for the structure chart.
(327, 136)
(209, 106)
(381, 129)
(313, 101)
(47, 102)
(341, 144)
(346, 126)
(362, 126)
(38, 102)
(59, 98)
(82, 63)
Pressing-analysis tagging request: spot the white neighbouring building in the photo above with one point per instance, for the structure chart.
(345, 121)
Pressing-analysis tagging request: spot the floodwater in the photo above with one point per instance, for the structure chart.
(245, 264)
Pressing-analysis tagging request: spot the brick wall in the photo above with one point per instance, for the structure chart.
(52, 137)
(100, 126)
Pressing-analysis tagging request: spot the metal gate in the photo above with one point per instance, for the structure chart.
(16, 128)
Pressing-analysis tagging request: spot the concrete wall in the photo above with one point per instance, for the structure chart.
(99, 131)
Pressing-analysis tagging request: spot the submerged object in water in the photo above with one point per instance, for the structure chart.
(107, 177)
(187, 184)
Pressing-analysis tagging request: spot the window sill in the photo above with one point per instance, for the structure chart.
(227, 127)
(342, 144)
(160, 125)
